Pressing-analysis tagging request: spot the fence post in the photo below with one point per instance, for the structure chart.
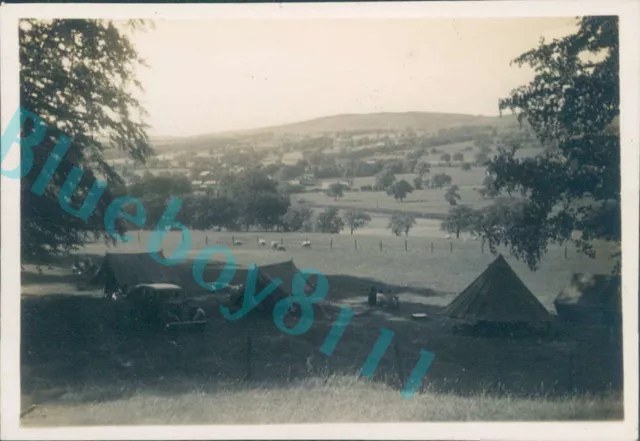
(451, 247)
(138, 235)
(399, 366)
(249, 357)
(233, 240)
(565, 252)
(380, 245)
(206, 240)
(331, 243)
(406, 246)
(355, 244)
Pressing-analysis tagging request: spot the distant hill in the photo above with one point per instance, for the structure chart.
(354, 123)
(386, 121)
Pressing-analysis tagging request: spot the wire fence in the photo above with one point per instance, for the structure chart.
(343, 243)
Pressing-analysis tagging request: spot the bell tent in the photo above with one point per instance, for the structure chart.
(497, 296)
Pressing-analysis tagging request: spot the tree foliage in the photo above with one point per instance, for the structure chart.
(452, 196)
(336, 190)
(401, 223)
(441, 180)
(78, 76)
(571, 104)
(384, 179)
(297, 218)
(355, 219)
(399, 190)
(460, 218)
(329, 221)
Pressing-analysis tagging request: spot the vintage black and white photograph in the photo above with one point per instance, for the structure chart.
(246, 220)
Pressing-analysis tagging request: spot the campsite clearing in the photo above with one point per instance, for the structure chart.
(75, 366)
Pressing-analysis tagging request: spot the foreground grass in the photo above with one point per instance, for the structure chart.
(331, 399)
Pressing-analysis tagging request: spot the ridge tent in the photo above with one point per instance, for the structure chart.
(498, 296)
(590, 298)
(285, 271)
(125, 270)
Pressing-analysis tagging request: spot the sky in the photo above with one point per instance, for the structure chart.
(207, 76)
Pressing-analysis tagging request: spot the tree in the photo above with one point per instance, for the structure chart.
(269, 209)
(452, 195)
(572, 105)
(481, 159)
(496, 222)
(297, 217)
(78, 76)
(401, 223)
(399, 190)
(417, 183)
(422, 168)
(329, 221)
(250, 189)
(460, 218)
(489, 188)
(384, 179)
(446, 157)
(441, 180)
(355, 219)
(458, 157)
(336, 190)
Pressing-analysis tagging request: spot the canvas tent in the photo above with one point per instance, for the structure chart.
(285, 271)
(125, 270)
(590, 298)
(497, 296)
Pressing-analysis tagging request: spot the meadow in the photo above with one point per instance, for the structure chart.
(78, 371)
(423, 203)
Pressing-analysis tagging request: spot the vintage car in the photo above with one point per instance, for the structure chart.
(162, 306)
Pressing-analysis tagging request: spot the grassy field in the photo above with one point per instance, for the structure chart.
(79, 370)
(425, 202)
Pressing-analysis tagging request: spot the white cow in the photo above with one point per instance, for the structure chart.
(448, 236)
(306, 244)
(262, 242)
(274, 244)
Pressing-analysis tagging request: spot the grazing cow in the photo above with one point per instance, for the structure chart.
(281, 248)
(262, 242)
(448, 236)
(306, 244)
(274, 244)
(237, 242)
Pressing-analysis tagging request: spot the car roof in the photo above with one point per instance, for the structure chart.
(158, 286)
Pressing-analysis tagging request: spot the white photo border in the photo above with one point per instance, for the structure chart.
(629, 13)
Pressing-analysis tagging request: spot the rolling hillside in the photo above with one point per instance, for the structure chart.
(386, 121)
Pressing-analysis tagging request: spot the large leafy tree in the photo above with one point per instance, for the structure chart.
(572, 105)
(79, 77)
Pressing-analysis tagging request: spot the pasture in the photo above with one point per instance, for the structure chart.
(77, 370)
